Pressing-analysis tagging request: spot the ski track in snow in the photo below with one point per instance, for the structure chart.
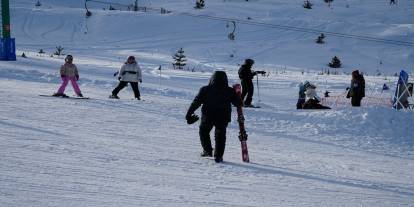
(54, 29)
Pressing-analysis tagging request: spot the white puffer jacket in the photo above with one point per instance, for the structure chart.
(130, 73)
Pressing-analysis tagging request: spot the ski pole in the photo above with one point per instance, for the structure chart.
(258, 91)
(160, 76)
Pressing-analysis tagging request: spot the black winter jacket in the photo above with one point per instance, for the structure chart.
(245, 72)
(357, 87)
(216, 99)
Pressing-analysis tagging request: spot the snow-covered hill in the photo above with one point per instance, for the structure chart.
(103, 152)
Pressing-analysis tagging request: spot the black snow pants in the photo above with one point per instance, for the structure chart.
(356, 101)
(219, 135)
(122, 84)
(247, 89)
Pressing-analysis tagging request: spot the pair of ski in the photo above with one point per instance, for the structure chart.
(73, 97)
(68, 97)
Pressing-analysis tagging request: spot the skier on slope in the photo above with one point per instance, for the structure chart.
(357, 90)
(68, 72)
(130, 72)
(216, 99)
(246, 76)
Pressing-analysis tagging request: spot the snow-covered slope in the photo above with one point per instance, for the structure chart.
(103, 152)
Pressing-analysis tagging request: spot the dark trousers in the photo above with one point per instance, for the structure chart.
(122, 84)
(356, 101)
(299, 104)
(219, 135)
(247, 89)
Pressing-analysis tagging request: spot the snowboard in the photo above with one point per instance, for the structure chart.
(69, 97)
(242, 130)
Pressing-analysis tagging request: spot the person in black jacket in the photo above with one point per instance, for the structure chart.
(216, 99)
(357, 89)
(246, 76)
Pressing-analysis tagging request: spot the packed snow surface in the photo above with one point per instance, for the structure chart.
(105, 152)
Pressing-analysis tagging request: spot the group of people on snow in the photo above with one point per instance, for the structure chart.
(215, 99)
(130, 72)
(308, 99)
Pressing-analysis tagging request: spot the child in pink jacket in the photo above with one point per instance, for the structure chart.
(69, 72)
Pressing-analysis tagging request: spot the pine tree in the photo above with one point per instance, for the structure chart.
(307, 4)
(59, 51)
(320, 39)
(328, 2)
(179, 59)
(335, 63)
(199, 4)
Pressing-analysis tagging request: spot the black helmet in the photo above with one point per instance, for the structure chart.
(249, 61)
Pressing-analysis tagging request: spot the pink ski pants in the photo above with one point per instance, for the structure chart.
(65, 83)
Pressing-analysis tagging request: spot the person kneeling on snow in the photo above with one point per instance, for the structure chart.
(216, 98)
(312, 99)
(130, 72)
(69, 72)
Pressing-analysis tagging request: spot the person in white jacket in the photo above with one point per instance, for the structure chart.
(130, 72)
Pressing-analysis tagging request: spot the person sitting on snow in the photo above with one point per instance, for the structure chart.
(312, 99)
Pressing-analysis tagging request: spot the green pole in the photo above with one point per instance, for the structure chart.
(5, 15)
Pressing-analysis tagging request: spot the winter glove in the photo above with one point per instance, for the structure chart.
(261, 72)
(119, 78)
(191, 118)
(116, 73)
(77, 77)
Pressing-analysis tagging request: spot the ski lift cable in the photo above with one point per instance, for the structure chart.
(109, 3)
(282, 27)
(305, 30)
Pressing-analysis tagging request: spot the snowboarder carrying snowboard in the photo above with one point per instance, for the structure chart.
(246, 76)
(216, 99)
(357, 89)
(130, 72)
(68, 72)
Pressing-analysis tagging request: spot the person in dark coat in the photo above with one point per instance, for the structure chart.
(357, 89)
(246, 76)
(216, 99)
